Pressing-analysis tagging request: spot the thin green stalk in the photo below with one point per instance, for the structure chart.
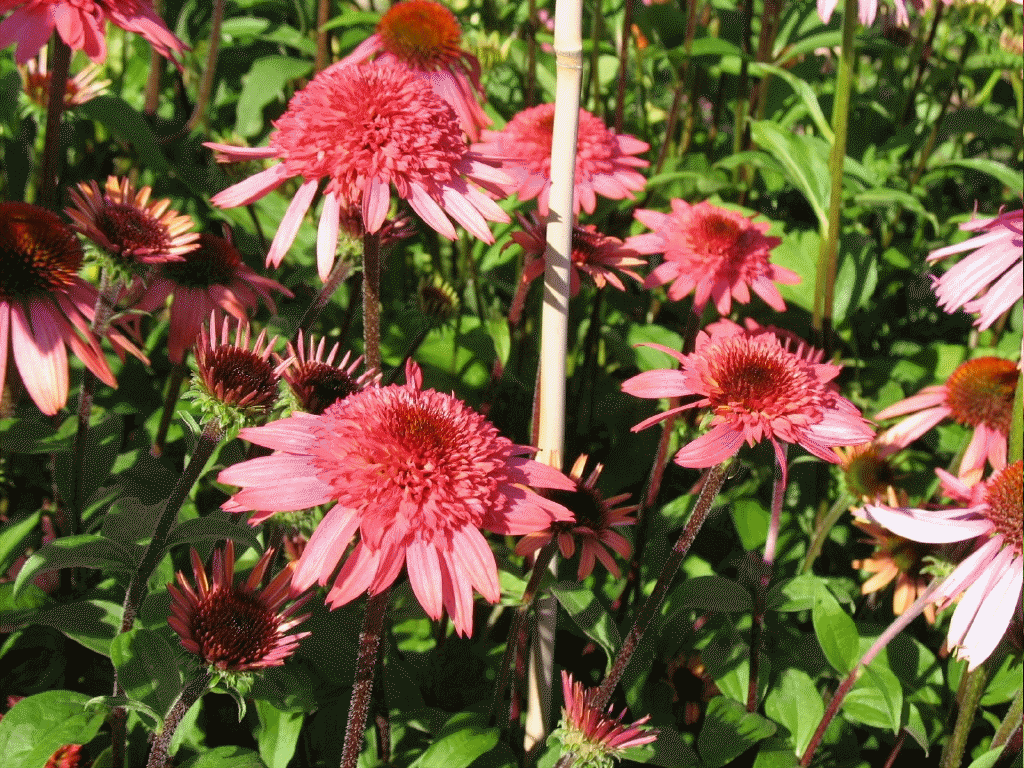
(972, 688)
(159, 755)
(362, 687)
(822, 530)
(714, 478)
(828, 255)
(1011, 722)
(48, 193)
(1015, 451)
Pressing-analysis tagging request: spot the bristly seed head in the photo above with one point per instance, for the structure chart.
(981, 391)
(421, 33)
(39, 253)
(1005, 498)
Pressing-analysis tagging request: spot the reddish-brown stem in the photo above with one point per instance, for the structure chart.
(620, 86)
(371, 300)
(362, 687)
(174, 382)
(323, 36)
(48, 193)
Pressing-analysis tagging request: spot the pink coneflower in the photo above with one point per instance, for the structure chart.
(210, 277)
(126, 224)
(597, 738)
(866, 11)
(595, 516)
(417, 474)
(366, 128)
(234, 377)
(605, 160)
(82, 24)
(316, 381)
(757, 387)
(994, 273)
(44, 306)
(717, 253)
(988, 582)
(236, 627)
(978, 394)
(595, 254)
(426, 37)
(77, 91)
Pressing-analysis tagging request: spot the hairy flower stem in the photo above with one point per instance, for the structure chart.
(337, 276)
(1011, 722)
(620, 85)
(151, 95)
(69, 524)
(902, 622)
(371, 300)
(972, 688)
(828, 253)
(48, 192)
(714, 478)
(323, 36)
(210, 69)
(540, 566)
(174, 382)
(362, 687)
(159, 755)
(823, 528)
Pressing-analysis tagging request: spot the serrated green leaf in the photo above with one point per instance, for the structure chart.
(37, 725)
(83, 551)
(729, 731)
(836, 632)
(589, 615)
(794, 702)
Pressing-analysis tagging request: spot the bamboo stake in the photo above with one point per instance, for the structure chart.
(568, 47)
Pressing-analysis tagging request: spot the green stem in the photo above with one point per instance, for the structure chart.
(362, 687)
(822, 530)
(159, 755)
(828, 255)
(1011, 722)
(972, 687)
(714, 478)
(174, 382)
(48, 193)
(620, 86)
(1015, 451)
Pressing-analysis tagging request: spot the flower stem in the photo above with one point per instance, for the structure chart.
(337, 276)
(362, 687)
(210, 70)
(371, 300)
(174, 382)
(323, 36)
(714, 478)
(159, 755)
(48, 193)
(1015, 449)
(620, 86)
(972, 687)
(778, 493)
(1011, 722)
(151, 95)
(828, 254)
(822, 530)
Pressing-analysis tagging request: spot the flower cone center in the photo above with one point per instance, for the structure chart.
(588, 507)
(423, 34)
(214, 262)
(130, 230)
(754, 379)
(38, 252)
(233, 628)
(1004, 496)
(870, 475)
(981, 392)
(239, 377)
(720, 232)
(318, 385)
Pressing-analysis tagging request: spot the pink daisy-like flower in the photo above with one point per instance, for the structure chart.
(316, 382)
(210, 277)
(605, 161)
(426, 37)
(126, 224)
(758, 387)
(866, 11)
(81, 24)
(417, 474)
(597, 738)
(595, 254)
(366, 128)
(988, 581)
(994, 273)
(236, 627)
(595, 516)
(717, 253)
(44, 306)
(979, 394)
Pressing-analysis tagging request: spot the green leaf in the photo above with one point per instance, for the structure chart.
(855, 280)
(83, 551)
(225, 757)
(127, 125)
(802, 89)
(263, 84)
(147, 667)
(92, 623)
(35, 434)
(729, 731)
(776, 752)
(796, 594)
(278, 734)
(712, 594)
(876, 698)
(989, 759)
(804, 160)
(214, 527)
(648, 359)
(12, 540)
(835, 631)
(795, 703)
(590, 615)
(37, 725)
(1006, 176)
(462, 740)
